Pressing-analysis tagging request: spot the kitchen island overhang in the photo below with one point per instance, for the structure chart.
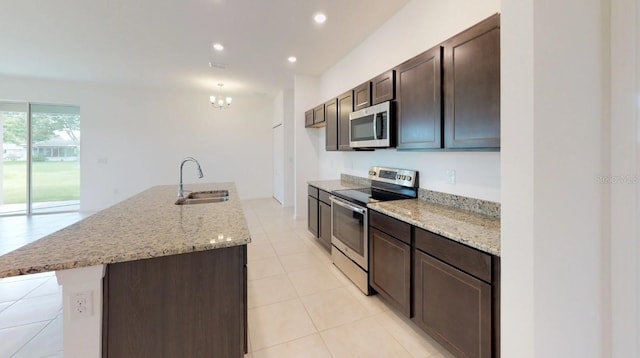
(147, 226)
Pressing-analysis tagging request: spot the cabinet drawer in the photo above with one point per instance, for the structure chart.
(467, 259)
(394, 227)
(324, 197)
(312, 191)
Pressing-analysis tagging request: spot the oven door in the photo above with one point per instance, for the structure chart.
(349, 230)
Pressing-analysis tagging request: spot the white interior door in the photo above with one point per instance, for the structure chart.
(278, 163)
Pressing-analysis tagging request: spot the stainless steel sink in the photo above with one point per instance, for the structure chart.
(204, 197)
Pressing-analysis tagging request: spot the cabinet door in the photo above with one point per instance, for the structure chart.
(345, 107)
(308, 118)
(383, 87)
(390, 269)
(318, 115)
(331, 124)
(419, 89)
(362, 96)
(325, 224)
(312, 215)
(452, 307)
(472, 87)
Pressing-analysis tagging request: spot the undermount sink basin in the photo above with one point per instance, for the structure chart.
(204, 197)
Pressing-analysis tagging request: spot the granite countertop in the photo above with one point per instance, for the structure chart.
(331, 185)
(472, 229)
(465, 226)
(144, 226)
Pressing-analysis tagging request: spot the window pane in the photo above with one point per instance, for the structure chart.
(55, 141)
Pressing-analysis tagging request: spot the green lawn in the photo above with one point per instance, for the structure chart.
(52, 181)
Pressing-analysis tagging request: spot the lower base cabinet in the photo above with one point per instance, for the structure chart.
(324, 219)
(390, 271)
(186, 305)
(312, 215)
(319, 215)
(452, 307)
(450, 290)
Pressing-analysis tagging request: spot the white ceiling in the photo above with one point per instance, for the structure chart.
(168, 43)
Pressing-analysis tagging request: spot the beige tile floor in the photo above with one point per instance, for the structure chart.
(300, 305)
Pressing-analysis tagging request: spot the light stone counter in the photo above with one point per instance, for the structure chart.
(144, 226)
(472, 229)
(331, 185)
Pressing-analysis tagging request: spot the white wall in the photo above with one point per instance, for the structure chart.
(133, 138)
(289, 164)
(306, 141)
(417, 27)
(555, 146)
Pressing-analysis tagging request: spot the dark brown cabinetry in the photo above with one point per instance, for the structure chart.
(324, 219)
(450, 290)
(453, 294)
(331, 124)
(390, 260)
(187, 305)
(362, 96)
(345, 106)
(312, 210)
(446, 97)
(318, 115)
(419, 88)
(472, 86)
(308, 118)
(383, 87)
(315, 117)
(319, 215)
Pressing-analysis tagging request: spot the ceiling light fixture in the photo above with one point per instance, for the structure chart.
(220, 102)
(218, 47)
(320, 18)
(292, 59)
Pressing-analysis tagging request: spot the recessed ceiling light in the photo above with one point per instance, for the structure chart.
(292, 59)
(218, 47)
(320, 18)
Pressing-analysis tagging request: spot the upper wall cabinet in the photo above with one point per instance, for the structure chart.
(362, 96)
(331, 124)
(345, 107)
(472, 87)
(318, 116)
(314, 117)
(383, 87)
(419, 103)
(308, 118)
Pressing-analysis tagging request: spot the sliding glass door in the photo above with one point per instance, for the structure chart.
(41, 158)
(14, 120)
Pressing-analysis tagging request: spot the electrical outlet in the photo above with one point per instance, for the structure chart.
(81, 304)
(451, 177)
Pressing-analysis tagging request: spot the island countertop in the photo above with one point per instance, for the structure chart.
(144, 226)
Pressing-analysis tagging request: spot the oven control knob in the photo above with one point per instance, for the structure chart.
(409, 177)
(398, 176)
(372, 172)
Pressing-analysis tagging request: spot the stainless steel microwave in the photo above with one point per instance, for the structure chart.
(372, 127)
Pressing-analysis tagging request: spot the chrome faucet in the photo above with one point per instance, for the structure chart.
(200, 175)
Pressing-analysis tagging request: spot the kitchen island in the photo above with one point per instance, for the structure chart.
(148, 278)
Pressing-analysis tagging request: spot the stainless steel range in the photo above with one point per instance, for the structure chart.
(349, 219)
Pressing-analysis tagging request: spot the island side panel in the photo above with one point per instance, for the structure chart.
(187, 305)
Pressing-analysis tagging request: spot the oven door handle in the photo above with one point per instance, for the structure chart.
(340, 202)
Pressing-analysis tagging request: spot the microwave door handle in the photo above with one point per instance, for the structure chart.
(375, 129)
(375, 125)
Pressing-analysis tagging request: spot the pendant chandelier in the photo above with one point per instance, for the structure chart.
(220, 102)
